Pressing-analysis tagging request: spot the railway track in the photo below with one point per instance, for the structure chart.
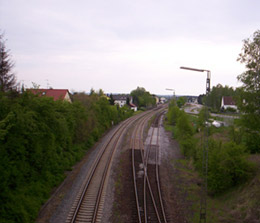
(152, 164)
(88, 205)
(145, 166)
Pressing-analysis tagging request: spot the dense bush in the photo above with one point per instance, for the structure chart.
(39, 140)
(183, 131)
(227, 166)
(227, 163)
(181, 101)
(173, 113)
(184, 128)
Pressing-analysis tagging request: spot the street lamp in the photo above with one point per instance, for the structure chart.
(169, 89)
(201, 70)
(203, 203)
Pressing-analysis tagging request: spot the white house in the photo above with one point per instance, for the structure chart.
(162, 100)
(120, 100)
(133, 106)
(228, 102)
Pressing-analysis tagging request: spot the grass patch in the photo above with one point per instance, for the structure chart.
(239, 204)
(168, 128)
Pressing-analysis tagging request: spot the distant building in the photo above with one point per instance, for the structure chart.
(124, 99)
(133, 106)
(157, 100)
(120, 99)
(56, 94)
(163, 100)
(228, 102)
(192, 99)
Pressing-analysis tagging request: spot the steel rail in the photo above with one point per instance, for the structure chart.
(121, 128)
(140, 129)
(134, 145)
(147, 177)
(146, 156)
(92, 171)
(103, 179)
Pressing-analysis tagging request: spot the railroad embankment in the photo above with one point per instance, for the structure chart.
(233, 174)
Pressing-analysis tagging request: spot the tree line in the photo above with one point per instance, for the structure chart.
(142, 98)
(41, 138)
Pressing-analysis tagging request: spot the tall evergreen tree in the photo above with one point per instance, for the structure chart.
(7, 77)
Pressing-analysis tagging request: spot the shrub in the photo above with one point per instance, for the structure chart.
(252, 141)
(184, 128)
(188, 146)
(227, 166)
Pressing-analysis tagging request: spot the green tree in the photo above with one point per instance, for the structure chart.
(142, 98)
(184, 127)
(7, 77)
(213, 100)
(228, 166)
(184, 133)
(39, 140)
(173, 113)
(181, 101)
(249, 98)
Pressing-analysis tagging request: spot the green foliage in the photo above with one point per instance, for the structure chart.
(184, 133)
(227, 166)
(143, 98)
(249, 94)
(173, 113)
(203, 117)
(184, 127)
(7, 77)
(183, 130)
(213, 100)
(236, 134)
(181, 101)
(188, 146)
(40, 139)
(227, 163)
(230, 110)
(252, 141)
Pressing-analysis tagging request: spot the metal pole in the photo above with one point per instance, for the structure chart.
(204, 188)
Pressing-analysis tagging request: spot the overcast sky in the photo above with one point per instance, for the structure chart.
(117, 45)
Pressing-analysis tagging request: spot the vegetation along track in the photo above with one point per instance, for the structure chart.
(88, 205)
(149, 204)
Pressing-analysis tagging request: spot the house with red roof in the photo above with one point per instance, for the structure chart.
(133, 106)
(56, 94)
(228, 102)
